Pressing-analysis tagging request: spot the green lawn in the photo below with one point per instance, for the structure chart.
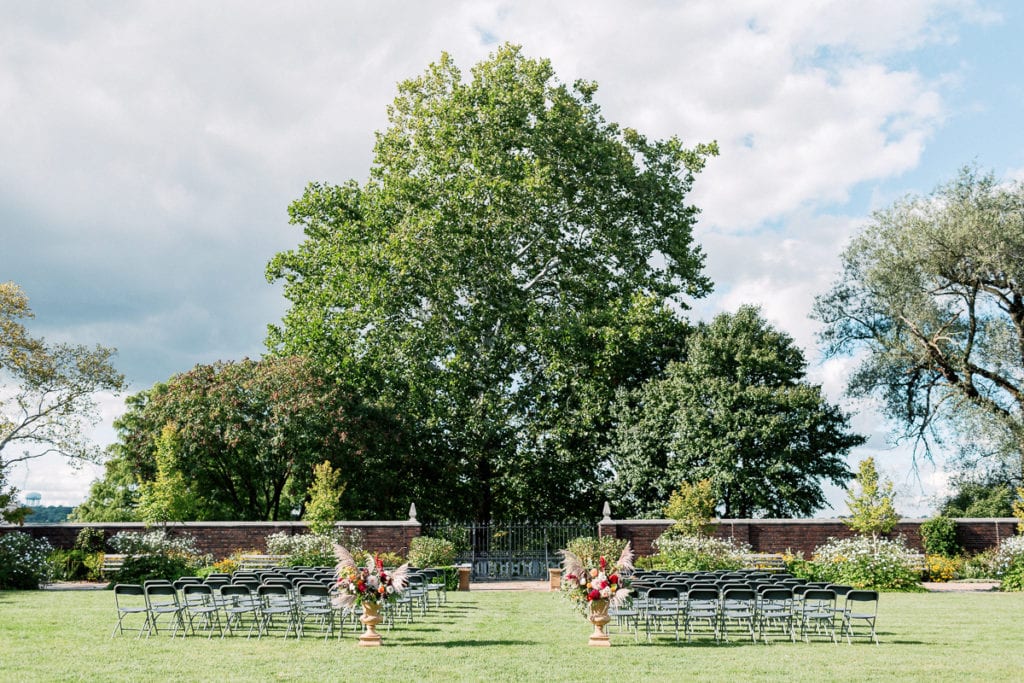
(494, 636)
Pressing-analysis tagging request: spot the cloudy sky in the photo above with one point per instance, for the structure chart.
(149, 150)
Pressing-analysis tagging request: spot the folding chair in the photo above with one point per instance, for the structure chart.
(275, 605)
(130, 599)
(239, 605)
(199, 603)
(775, 613)
(662, 607)
(314, 603)
(162, 599)
(738, 606)
(817, 611)
(701, 610)
(862, 606)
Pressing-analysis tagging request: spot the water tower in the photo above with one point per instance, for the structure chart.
(32, 499)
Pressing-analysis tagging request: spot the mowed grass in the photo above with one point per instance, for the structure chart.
(512, 636)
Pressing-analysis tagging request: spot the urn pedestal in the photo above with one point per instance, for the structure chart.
(371, 617)
(599, 618)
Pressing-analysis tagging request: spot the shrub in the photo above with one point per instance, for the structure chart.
(697, 553)
(23, 562)
(155, 555)
(979, 566)
(940, 568)
(425, 551)
(90, 539)
(140, 568)
(1008, 564)
(314, 550)
(938, 535)
(590, 549)
(388, 559)
(862, 562)
(800, 567)
(75, 565)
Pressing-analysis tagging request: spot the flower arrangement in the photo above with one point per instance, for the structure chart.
(605, 581)
(367, 584)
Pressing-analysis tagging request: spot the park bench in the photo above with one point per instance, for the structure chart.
(257, 561)
(766, 561)
(112, 562)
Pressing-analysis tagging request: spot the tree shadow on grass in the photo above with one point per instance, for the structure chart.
(468, 643)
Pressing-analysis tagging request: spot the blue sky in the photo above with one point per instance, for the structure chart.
(149, 150)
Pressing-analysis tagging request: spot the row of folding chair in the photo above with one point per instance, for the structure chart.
(757, 613)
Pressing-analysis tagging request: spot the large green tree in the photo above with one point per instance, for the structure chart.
(512, 259)
(932, 298)
(739, 412)
(47, 390)
(239, 440)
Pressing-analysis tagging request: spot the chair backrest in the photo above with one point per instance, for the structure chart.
(235, 589)
(662, 594)
(776, 594)
(739, 595)
(313, 590)
(820, 596)
(862, 596)
(698, 594)
(197, 589)
(839, 588)
(267, 589)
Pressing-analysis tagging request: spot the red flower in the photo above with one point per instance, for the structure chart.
(604, 584)
(614, 578)
(593, 595)
(360, 586)
(604, 562)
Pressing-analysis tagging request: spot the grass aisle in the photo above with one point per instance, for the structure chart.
(511, 636)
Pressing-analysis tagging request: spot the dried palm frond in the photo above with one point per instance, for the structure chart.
(618, 598)
(345, 559)
(571, 563)
(625, 563)
(399, 577)
(344, 601)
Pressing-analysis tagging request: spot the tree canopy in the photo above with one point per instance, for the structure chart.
(239, 440)
(932, 296)
(511, 261)
(47, 390)
(739, 413)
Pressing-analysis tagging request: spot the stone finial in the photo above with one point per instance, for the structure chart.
(412, 512)
(607, 512)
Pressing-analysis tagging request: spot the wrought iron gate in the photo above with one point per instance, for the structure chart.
(510, 550)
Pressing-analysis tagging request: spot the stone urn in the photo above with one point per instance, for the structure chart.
(599, 618)
(371, 617)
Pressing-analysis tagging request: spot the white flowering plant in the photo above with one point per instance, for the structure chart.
(864, 562)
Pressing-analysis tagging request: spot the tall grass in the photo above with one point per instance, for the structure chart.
(511, 636)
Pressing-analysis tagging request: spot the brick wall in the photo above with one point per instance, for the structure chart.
(221, 539)
(778, 535)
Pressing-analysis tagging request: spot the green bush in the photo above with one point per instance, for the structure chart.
(314, 550)
(1008, 563)
(696, 553)
(75, 565)
(23, 562)
(979, 566)
(938, 535)
(425, 551)
(155, 555)
(91, 540)
(140, 568)
(863, 562)
(590, 549)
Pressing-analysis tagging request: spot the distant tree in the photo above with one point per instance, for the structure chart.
(871, 508)
(324, 507)
(114, 497)
(932, 294)
(48, 514)
(169, 496)
(246, 437)
(46, 390)
(739, 412)
(979, 499)
(692, 506)
(511, 261)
